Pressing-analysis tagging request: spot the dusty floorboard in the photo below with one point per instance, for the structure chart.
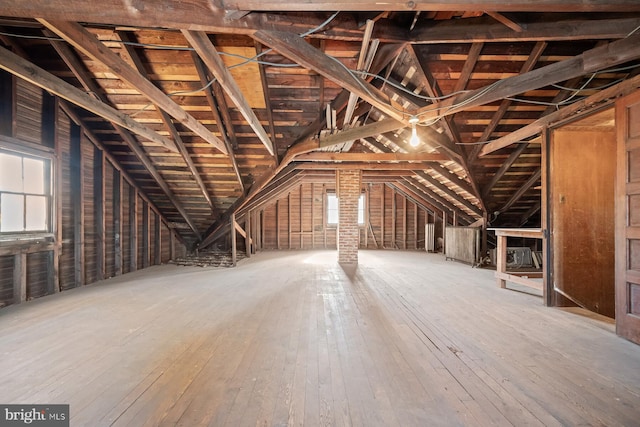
(291, 338)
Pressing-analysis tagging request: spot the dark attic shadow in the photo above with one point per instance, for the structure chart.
(349, 269)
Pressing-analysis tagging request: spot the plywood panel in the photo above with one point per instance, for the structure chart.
(582, 179)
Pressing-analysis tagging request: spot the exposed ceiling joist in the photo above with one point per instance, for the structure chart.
(77, 68)
(522, 190)
(536, 127)
(39, 77)
(81, 39)
(435, 5)
(298, 50)
(480, 30)
(528, 65)
(166, 119)
(217, 110)
(320, 156)
(202, 44)
(592, 60)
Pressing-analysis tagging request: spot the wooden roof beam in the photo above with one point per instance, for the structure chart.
(202, 44)
(166, 119)
(267, 100)
(482, 30)
(593, 101)
(592, 60)
(506, 21)
(87, 43)
(228, 136)
(39, 77)
(77, 68)
(504, 167)
(323, 156)
(435, 5)
(298, 50)
(522, 190)
(528, 65)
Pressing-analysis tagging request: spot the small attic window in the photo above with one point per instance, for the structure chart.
(333, 209)
(25, 195)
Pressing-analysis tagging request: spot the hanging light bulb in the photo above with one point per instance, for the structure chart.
(414, 141)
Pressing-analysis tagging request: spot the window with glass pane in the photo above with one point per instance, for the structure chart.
(332, 209)
(25, 197)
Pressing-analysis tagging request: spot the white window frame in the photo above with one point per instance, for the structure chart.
(362, 204)
(27, 150)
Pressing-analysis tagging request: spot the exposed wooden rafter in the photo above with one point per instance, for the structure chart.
(77, 68)
(535, 177)
(202, 44)
(301, 52)
(39, 77)
(135, 60)
(228, 136)
(603, 96)
(87, 43)
(528, 65)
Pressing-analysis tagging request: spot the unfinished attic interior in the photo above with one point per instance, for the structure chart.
(431, 211)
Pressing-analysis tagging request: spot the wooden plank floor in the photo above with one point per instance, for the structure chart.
(290, 338)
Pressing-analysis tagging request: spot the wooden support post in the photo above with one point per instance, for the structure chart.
(415, 226)
(157, 238)
(133, 228)
(117, 220)
(313, 220)
(19, 278)
(145, 234)
(444, 228)
(324, 214)
(98, 206)
(301, 215)
(393, 219)
(247, 230)
(172, 247)
(278, 224)
(383, 188)
(232, 227)
(366, 217)
(289, 219)
(404, 223)
(501, 261)
(262, 229)
(77, 201)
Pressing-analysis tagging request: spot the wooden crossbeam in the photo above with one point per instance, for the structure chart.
(592, 60)
(77, 68)
(528, 65)
(522, 190)
(536, 127)
(39, 77)
(481, 30)
(166, 119)
(87, 43)
(202, 44)
(298, 50)
(321, 156)
(217, 110)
